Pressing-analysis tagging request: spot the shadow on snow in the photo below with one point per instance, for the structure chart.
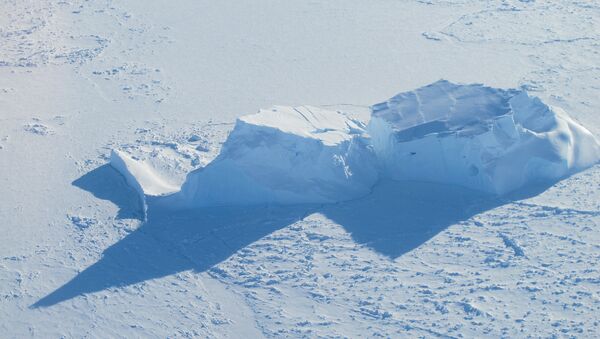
(395, 218)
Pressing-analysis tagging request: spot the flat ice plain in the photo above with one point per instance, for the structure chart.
(85, 252)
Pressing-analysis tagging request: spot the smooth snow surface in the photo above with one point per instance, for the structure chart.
(285, 155)
(478, 137)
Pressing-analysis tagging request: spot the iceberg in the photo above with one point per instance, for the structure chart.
(482, 138)
(479, 137)
(285, 155)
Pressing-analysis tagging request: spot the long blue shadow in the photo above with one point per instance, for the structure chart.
(394, 219)
(173, 242)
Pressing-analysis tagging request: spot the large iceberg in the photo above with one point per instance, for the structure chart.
(479, 137)
(285, 155)
(483, 138)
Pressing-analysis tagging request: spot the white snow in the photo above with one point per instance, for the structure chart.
(285, 155)
(478, 137)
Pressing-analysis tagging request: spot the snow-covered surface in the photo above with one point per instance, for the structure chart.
(165, 81)
(330, 128)
(479, 137)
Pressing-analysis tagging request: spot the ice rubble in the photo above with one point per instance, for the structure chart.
(479, 137)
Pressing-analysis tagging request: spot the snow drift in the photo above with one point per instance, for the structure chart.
(482, 138)
(479, 137)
